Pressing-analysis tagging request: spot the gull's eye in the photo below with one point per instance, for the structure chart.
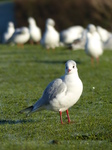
(73, 66)
(66, 67)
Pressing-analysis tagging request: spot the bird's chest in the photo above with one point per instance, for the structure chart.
(73, 87)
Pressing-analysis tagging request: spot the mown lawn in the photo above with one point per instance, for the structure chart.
(24, 74)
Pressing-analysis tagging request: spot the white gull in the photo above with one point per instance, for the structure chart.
(93, 45)
(9, 32)
(34, 30)
(70, 34)
(60, 94)
(20, 36)
(50, 38)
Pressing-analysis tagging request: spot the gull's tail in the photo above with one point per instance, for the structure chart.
(27, 110)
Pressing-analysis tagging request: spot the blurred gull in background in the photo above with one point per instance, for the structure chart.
(34, 30)
(20, 36)
(105, 36)
(79, 43)
(50, 38)
(70, 34)
(9, 32)
(108, 43)
(93, 45)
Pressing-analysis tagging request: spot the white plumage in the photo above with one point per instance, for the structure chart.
(20, 36)
(106, 38)
(70, 34)
(104, 34)
(108, 44)
(93, 45)
(62, 93)
(34, 30)
(9, 32)
(50, 38)
(80, 42)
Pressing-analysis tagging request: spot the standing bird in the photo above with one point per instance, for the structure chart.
(50, 38)
(60, 94)
(34, 30)
(20, 36)
(8, 34)
(93, 44)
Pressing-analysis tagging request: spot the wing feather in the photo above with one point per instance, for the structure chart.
(55, 88)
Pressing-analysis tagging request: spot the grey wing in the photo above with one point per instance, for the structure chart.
(52, 90)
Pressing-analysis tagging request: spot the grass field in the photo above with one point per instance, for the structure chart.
(24, 74)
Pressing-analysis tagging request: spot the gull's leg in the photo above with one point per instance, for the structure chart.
(97, 59)
(92, 61)
(20, 45)
(68, 116)
(61, 117)
(31, 42)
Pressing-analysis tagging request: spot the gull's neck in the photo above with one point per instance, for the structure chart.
(71, 77)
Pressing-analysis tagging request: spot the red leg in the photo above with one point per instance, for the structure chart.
(61, 117)
(97, 59)
(68, 116)
(92, 61)
(20, 46)
(31, 42)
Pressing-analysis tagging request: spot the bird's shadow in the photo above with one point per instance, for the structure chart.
(3, 122)
(55, 61)
(39, 61)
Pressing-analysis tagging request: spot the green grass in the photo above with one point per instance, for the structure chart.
(24, 74)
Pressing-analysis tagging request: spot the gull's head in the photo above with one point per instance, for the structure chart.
(10, 24)
(24, 30)
(50, 22)
(70, 67)
(91, 28)
(31, 21)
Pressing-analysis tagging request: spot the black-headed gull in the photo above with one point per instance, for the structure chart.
(50, 38)
(60, 94)
(93, 45)
(34, 30)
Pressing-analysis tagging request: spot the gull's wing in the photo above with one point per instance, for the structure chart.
(55, 88)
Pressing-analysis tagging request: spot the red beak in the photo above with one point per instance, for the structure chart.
(69, 70)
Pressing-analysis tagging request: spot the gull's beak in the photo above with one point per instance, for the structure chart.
(69, 70)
